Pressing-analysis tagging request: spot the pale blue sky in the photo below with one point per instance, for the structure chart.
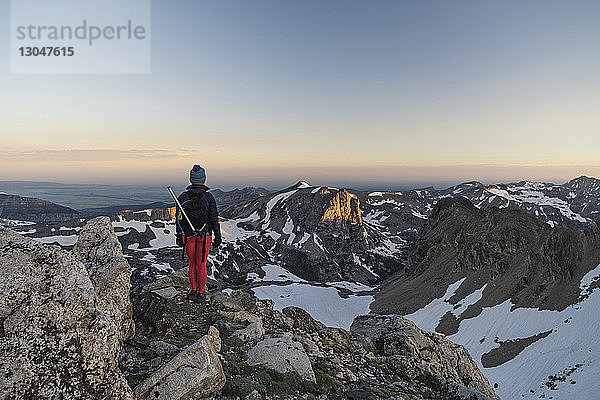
(336, 91)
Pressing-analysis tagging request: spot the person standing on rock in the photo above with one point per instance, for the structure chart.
(201, 208)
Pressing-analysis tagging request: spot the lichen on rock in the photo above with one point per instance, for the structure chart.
(58, 341)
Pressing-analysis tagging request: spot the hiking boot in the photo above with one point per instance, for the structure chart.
(192, 295)
(202, 297)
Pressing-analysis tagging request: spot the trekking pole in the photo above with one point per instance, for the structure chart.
(182, 210)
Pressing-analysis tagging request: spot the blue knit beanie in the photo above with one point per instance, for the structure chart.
(197, 175)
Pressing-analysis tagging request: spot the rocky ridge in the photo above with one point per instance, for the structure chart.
(236, 196)
(19, 208)
(519, 294)
(271, 354)
(574, 204)
(317, 233)
(517, 255)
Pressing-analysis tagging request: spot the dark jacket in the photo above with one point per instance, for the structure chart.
(209, 203)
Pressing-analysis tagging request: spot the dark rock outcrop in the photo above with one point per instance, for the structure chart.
(35, 210)
(522, 258)
(317, 233)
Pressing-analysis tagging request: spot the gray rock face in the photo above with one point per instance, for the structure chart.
(522, 258)
(283, 354)
(421, 354)
(194, 373)
(101, 253)
(167, 293)
(253, 331)
(57, 340)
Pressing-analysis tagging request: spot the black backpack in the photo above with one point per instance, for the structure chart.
(197, 212)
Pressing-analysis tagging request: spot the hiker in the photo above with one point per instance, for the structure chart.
(201, 209)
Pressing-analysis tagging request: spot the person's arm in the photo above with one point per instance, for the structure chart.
(213, 220)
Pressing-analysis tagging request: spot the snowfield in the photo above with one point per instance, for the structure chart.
(69, 240)
(322, 302)
(569, 354)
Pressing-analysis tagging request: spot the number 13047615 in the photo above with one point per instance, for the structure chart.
(47, 51)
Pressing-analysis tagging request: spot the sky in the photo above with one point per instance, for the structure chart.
(360, 93)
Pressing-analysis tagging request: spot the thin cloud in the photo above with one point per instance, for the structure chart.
(68, 155)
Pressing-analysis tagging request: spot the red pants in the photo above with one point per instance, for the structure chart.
(197, 270)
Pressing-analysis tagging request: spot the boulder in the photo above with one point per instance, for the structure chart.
(283, 354)
(302, 320)
(167, 293)
(177, 279)
(242, 316)
(194, 373)
(422, 355)
(254, 395)
(57, 339)
(110, 273)
(253, 331)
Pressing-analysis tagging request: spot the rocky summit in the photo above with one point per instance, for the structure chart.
(267, 353)
(68, 333)
(317, 233)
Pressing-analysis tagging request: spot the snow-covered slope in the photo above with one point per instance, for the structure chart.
(335, 304)
(528, 353)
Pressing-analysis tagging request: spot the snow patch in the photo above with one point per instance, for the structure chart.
(232, 232)
(163, 267)
(131, 224)
(418, 214)
(271, 203)
(69, 240)
(323, 303)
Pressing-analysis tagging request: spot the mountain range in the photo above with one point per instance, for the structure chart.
(510, 271)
